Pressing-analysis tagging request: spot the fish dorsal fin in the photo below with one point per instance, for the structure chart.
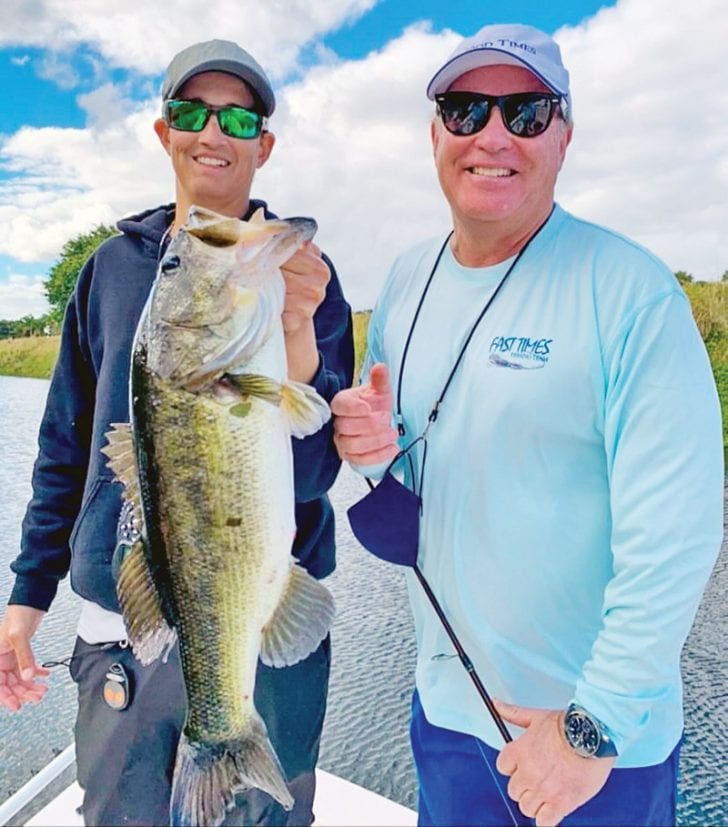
(300, 622)
(149, 633)
(123, 462)
(258, 217)
(304, 409)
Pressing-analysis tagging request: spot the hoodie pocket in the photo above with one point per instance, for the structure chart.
(94, 536)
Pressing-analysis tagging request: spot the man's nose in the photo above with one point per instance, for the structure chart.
(212, 132)
(494, 133)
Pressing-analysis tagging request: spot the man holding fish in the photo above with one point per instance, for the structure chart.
(552, 409)
(196, 343)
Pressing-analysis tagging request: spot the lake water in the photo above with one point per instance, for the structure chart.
(365, 735)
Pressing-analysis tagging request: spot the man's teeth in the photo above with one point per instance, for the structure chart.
(492, 172)
(211, 162)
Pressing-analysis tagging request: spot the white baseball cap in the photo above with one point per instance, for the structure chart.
(510, 44)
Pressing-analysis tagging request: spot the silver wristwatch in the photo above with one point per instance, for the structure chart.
(587, 735)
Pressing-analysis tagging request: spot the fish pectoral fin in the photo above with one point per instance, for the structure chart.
(149, 632)
(253, 384)
(300, 622)
(121, 454)
(305, 410)
(207, 776)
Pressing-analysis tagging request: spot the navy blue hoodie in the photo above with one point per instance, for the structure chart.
(72, 516)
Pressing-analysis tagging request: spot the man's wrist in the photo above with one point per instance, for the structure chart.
(586, 734)
(302, 353)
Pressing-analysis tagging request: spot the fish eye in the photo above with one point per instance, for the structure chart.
(170, 264)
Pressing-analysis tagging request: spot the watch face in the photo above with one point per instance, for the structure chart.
(582, 733)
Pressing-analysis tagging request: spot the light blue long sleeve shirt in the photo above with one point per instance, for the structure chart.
(573, 491)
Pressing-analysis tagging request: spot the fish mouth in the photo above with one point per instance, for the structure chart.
(186, 325)
(492, 172)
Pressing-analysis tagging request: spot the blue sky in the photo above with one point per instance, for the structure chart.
(54, 94)
(390, 17)
(77, 149)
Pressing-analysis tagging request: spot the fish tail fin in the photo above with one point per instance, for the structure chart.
(207, 776)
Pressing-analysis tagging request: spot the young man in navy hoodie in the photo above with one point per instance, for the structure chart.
(125, 759)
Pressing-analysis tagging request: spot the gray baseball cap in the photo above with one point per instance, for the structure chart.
(509, 44)
(218, 56)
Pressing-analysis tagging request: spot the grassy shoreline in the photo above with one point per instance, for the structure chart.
(34, 357)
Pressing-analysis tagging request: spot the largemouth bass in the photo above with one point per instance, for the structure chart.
(209, 516)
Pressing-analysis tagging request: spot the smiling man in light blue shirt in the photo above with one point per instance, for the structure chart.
(572, 493)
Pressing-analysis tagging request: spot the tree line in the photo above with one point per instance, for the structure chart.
(58, 286)
(64, 273)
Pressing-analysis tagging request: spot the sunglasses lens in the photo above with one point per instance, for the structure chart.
(235, 121)
(463, 113)
(189, 116)
(239, 122)
(524, 114)
(527, 115)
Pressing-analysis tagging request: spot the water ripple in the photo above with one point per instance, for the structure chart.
(365, 735)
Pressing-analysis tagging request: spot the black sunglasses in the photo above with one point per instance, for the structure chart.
(235, 121)
(525, 114)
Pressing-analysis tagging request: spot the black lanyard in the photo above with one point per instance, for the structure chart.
(436, 407)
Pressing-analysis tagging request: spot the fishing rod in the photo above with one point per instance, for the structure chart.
(463, 655)
(392, 509)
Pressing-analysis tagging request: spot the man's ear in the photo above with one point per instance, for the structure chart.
(161, 127)
(568, 131)
(434, 135)
(265, 147)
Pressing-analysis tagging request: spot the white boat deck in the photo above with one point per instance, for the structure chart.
(339, 803)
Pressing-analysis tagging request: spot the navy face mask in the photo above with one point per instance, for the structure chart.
(387, 523)
(387, 520)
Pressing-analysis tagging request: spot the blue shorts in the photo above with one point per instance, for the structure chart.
(459, 785)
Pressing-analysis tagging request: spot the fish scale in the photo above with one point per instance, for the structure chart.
(196, 432)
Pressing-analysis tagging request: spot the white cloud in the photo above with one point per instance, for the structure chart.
(69, 180)
(649, 156)
(20, 61)
(106, 104)
(353, 150)
(650, 151)
(22, 296)
(145, 36)
(57, 69)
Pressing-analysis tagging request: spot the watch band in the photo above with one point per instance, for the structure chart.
(587, 735)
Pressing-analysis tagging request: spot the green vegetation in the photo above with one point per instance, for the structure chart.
(58, 288)
(35, 356)
(361, 323)
(64, 273)
(709, 301)
(32, 356)
(26, 349)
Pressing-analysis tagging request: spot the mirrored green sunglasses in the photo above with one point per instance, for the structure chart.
(235, 121)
